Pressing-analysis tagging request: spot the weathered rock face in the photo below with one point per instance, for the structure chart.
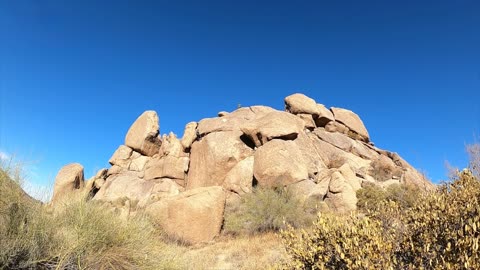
(143, 134)
(214, 156)
(352, 121)
(239, 178)
(125, 186)
(299, 103)
(167, 167)
(322, 156)
(324, 116)
(189, 135)
(69, 181)
(273, 125)
(279, 163)
(121, 157)
(193, 216)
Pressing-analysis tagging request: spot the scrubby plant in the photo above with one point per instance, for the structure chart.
(441, 230)
(340, 242)
(266, 209)
(382, 170)
(371, 197)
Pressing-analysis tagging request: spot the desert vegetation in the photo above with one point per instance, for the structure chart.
(395, 227)
(81, 235)
(399, 228)
(266, 210)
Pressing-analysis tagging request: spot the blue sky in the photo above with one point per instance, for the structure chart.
(74, 75)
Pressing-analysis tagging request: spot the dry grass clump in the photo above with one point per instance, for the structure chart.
(249, 252)
(264, 210)
(81, 235)
(440, 230)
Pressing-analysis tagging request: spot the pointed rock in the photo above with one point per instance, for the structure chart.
(143, 134)
(189, 135)
(69, 181)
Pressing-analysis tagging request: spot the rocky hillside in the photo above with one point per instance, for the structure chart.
(184, 183)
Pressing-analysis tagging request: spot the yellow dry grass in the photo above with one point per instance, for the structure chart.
(261, 251)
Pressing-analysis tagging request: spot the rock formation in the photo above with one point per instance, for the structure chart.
(320, 154)
(69, 181)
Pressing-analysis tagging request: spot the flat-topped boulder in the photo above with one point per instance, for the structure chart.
(274, 125)
(352, 121)
(299, 103)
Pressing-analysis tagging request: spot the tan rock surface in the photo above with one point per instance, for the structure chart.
(352, 121)
(324, 116)
(143, 134)
(299, 103)
(193, 216)
(121, 156)
(68, 182)
(239, 179)
(279, 163)
(171, 146)
(125, 186)
(307, 120)
(189, 135)
(274, 125)
(167, 167)
(214, 156)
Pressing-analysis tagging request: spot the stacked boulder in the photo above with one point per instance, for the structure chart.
(320, 154)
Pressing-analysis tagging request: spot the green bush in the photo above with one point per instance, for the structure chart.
(266, 209)
(371, 197)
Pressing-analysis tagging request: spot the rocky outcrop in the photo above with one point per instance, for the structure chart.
(279, 163)
(192, 216)
(143, 134)
(273, 125)
(240, 178)
(352, 121)
(69, 182)
(300, 104)
(189, 135)
(323, 156)
(214, 156)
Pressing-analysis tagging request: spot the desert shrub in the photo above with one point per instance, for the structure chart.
(339, 242)
(444, 228)
(266, 209)
(383, 170)
(372, 197)
(441, 230)
(335, 161)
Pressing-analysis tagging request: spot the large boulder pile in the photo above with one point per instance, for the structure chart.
(318, 153)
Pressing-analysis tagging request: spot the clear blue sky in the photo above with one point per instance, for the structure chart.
(74, 75)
